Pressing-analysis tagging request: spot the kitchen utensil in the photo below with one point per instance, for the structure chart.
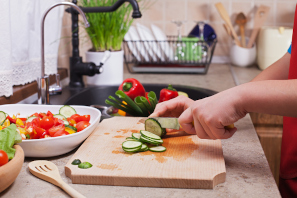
(241, 21)
(242, 56)
(171, 123)
(10, 171)
(188, 162)
(148, 41)
(228, 30)
(260, 17)
(224, 14)
(163, 42)
(49, 172)
(209, 34)
(131, 45)
(268, 52)
(49, 147)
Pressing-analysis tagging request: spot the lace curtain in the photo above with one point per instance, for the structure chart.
(20, 41)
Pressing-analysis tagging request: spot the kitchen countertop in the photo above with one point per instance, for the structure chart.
(247, 170)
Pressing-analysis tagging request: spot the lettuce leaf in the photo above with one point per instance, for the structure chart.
(7, 138)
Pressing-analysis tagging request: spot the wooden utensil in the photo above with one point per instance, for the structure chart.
(228, 30)
(49, 172)
(188, 162)
(224, 14)
(241, 21)
(260, 17)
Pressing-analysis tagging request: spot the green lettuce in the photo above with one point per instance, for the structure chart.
(8, 136)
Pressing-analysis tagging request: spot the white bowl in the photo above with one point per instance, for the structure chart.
(53, 146)
(241, 56)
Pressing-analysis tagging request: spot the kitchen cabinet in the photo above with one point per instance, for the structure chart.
(269, 129)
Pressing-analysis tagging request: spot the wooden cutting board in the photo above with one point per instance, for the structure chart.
(188, 162)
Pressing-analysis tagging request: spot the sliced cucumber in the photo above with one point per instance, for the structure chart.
(151, 141)
(158, 149)
(130, 138)
(60, 116)
(70, 127)
(150, 135)
(67, 111)
(31, 118)
(2, 117)
(144, 148)
(136, 136)
(131, 145)
(132, 150)
(153, 126)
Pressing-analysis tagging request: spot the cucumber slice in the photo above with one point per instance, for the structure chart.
(150, 135)
(70, 127)
(158, 149)
(31, 118)
(131, 145)
(132, 150)
(130, 138)
(60, 116)
(2, 117)
(67, 111)
(153, 126)
(143, 148)
(151, 141)
(136, 136)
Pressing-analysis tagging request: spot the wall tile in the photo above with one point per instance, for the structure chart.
(285, 12)
(175, 10)
(154, 12)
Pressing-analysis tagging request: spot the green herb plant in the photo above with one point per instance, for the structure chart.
(107, 29)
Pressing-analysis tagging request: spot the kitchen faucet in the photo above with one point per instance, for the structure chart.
(77, 67)
(43, 82)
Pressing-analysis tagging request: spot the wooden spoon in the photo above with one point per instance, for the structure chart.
(224, 14)
(241, 21)
(260, 17)
(49, 172)
(228, 30)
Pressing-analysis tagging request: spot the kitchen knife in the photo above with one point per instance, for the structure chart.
(172, 123)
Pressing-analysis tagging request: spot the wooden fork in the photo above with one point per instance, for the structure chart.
(49, 172)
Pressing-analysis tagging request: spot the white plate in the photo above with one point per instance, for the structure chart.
(151, 45)
(132, 35)
(162, 38)
(49, 147)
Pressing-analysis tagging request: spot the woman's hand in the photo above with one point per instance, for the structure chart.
(211, 115)
(172, 108)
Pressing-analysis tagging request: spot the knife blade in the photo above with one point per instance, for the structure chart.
(172, 123)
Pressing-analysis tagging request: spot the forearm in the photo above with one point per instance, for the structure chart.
(277, 71)
(278, 97)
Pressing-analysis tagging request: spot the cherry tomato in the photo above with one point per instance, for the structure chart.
(46, 122)
(82, 125)
(50, 114)
(56, 129)
(36, 122)
(58, 122)
(60, 133)
(3, 157)
(37, 133)
(35, 114)
(75, 117)
(41, 115)
(83, 118)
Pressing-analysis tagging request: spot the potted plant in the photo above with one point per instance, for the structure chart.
(106, 32)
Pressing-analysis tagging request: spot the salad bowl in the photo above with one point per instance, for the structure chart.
(53, 146)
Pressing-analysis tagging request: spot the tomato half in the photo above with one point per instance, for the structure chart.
(3, 157)
(37, 133)
(84, 118)
(55, 129)
(75, 117)
(60, 133)
(49, 114)
(46, 122)
(82, 125)
(58, 122)
(41, 115)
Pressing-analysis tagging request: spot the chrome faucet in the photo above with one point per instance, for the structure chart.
(43, 82)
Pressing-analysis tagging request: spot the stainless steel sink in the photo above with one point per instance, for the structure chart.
(97, 95)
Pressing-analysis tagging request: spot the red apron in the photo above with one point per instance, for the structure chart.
(288, 166)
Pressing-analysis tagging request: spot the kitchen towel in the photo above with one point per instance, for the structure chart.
(20, 39)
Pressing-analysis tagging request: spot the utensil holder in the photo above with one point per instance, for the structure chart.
(243, 57)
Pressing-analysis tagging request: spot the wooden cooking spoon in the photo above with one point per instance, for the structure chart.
(49, 172)
(241, 21)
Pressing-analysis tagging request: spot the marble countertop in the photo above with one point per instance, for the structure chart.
(247, 170)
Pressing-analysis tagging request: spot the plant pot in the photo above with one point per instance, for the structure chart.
(112, 69)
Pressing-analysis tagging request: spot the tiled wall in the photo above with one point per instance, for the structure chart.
(161, 12)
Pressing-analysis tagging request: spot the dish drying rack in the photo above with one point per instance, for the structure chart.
(183, 56)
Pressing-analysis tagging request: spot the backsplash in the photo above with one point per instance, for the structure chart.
(161, 12)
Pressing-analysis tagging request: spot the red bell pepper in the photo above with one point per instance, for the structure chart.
(132, 88)
(168, 93)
